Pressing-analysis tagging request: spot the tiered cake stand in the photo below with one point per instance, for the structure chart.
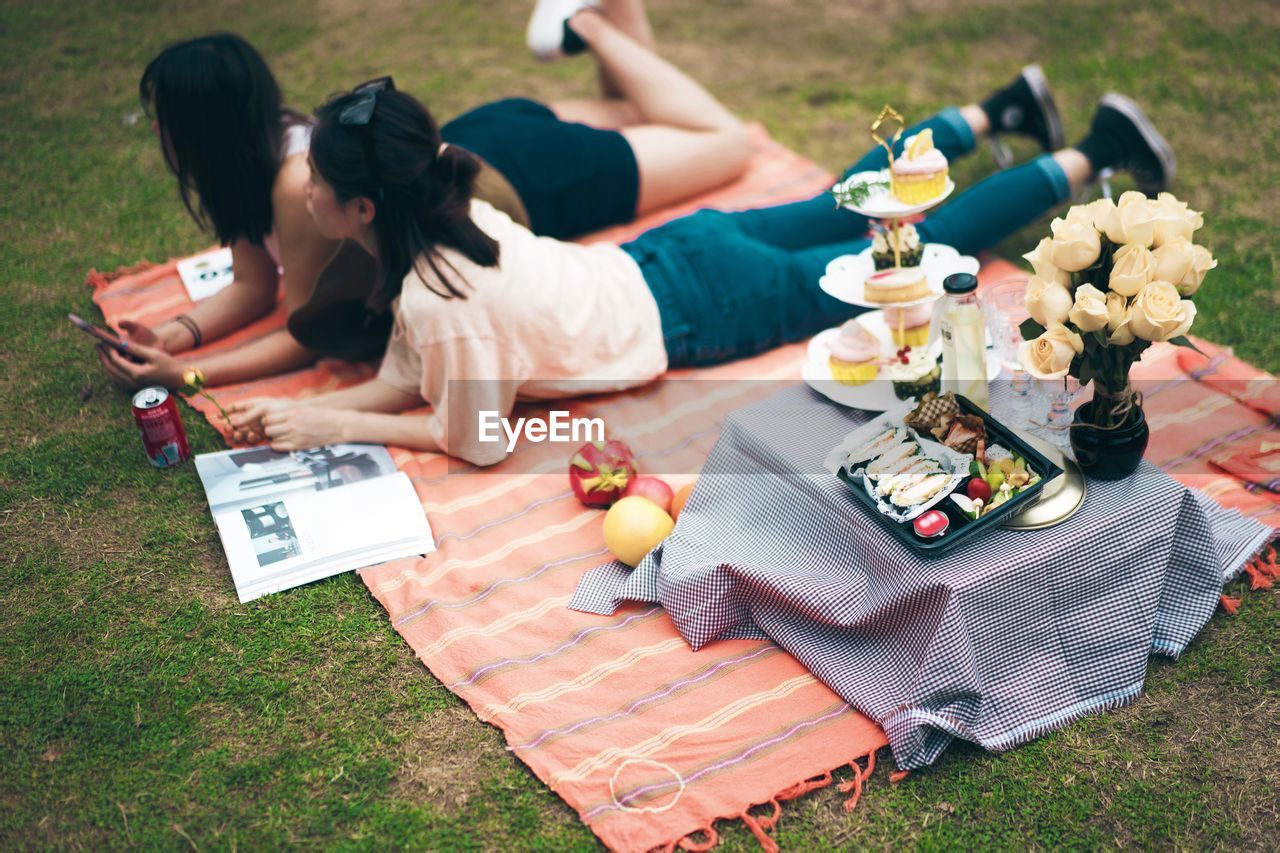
(845, 280)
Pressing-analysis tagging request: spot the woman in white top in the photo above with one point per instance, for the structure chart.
(566, 169)
(487, 313)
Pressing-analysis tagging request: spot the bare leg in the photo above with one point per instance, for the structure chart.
(630, 17)
(976, 119)
(685, 141)
(611, 110)
(604, 113)
(1075, 166)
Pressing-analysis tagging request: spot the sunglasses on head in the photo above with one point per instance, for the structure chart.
(359, 113)
(360, 110)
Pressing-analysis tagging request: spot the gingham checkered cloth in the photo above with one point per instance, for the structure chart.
(1012, 635)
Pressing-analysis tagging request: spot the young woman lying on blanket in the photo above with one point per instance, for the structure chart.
(478, 297)
(653, 137)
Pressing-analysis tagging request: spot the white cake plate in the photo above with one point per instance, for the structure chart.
(880, 202)
(847, 275)
(876, 395)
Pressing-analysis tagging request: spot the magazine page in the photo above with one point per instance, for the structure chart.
(284, 540)
(252, 475)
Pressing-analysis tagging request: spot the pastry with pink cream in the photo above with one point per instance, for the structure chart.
(854, 356)
(909, 326)
(919, 174)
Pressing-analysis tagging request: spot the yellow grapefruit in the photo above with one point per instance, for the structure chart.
(633, 527)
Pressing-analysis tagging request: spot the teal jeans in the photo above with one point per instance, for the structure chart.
(730, 285)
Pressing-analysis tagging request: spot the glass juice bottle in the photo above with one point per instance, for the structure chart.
(962, 328)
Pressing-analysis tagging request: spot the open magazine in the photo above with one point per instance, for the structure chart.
(291, 518)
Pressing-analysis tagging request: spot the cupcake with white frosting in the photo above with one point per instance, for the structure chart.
(914, 372)
(907, 240)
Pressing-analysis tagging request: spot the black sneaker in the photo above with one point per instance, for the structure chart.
(1137, 147)
(1025, 107)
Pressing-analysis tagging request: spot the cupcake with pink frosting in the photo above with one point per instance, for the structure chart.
(854, 355)
(909, 326)
(920, 173)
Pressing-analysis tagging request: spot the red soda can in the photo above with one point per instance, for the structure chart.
(163, 437)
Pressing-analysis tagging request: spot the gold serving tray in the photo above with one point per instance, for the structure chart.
(1060, 498)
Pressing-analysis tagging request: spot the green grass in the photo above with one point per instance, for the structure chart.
(141, 705)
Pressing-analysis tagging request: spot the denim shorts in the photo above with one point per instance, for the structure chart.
(572, 178)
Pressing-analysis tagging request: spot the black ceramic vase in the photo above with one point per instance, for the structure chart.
(1110, 453)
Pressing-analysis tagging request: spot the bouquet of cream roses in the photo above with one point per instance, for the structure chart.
(1113, 278)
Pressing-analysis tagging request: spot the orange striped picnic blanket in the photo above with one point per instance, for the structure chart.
(649, 741)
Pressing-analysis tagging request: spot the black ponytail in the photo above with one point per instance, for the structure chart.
(422, 194)
(221, 123)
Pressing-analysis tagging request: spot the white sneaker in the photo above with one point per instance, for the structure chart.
(548, 36)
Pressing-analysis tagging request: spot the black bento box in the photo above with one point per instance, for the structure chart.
(962, 528)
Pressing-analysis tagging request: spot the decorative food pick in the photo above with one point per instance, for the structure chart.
(887, 115)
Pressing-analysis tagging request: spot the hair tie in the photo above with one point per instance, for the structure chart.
(442, 167)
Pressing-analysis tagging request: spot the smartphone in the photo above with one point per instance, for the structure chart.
(105, 336)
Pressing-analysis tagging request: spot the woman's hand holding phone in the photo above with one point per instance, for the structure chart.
(136, 359)
(145, 365)
(136, 333)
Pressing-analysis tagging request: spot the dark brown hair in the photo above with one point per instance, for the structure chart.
(221, 123)
(422, 195)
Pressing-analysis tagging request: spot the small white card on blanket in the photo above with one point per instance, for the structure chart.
(204, 275)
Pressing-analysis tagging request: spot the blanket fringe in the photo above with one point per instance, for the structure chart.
(687, 843)
(1258, 579)
(1263, 571)
(761, 825)
(97, 280)
(855, 783)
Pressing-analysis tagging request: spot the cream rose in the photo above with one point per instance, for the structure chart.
(1101, 211)
(1090, 310)
(1049, 356)
(1157, 314)
(1118, 320)
(1047, 302)
(1042, 263)
(1174, 219)
(1075, 244)
(1133, 222)
(1201, 262)
(1172, 260)
(1131, 269)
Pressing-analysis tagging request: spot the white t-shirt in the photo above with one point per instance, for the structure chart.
(553, 320)
(297, 140)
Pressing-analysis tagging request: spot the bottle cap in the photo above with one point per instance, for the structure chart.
(960, 282)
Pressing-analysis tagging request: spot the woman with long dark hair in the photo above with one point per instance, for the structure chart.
(654, 137)
(487, 312)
